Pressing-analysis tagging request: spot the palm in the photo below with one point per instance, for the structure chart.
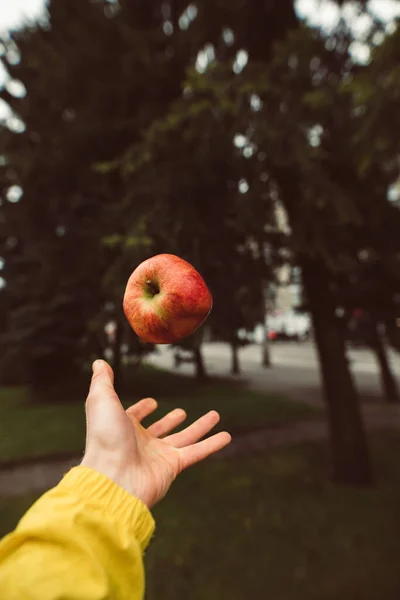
(147, 459)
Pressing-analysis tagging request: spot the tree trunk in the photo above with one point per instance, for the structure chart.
(265, 343)
(351, 462)
(265, 350)
(388, 381)
(201, 373)
(235, 368)
(393, 334)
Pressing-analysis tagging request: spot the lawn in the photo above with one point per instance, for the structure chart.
(30, 430)
(273, 527)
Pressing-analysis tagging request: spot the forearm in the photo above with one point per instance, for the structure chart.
(83, 539)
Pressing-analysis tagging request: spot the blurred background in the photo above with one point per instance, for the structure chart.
(259, 140)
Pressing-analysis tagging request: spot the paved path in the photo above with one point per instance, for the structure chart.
(33, 477)
(294, 371)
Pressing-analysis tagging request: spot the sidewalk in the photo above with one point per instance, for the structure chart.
(294, 372)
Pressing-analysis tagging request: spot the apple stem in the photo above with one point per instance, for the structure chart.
(152, 288)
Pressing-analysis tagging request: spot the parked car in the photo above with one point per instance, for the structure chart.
(289, 325)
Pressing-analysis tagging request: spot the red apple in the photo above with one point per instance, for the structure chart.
(166, 299)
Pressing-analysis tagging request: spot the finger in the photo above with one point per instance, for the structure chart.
(167, 423)
(102, 383)
(102, 403)
(142, 409)
(197, 452)
(194, 432)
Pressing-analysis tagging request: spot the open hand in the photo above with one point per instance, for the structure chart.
(142, 461)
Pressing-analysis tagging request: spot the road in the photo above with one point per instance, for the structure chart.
(294, 372)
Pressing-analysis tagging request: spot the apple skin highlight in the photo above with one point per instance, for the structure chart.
(166, 299)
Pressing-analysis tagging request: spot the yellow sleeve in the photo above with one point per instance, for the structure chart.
(84, 539)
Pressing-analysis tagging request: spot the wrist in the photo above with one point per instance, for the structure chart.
(121, 475)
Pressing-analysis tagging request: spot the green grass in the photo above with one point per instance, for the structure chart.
(273, 527)
(33, 429)
(11, 510)
(28, 430)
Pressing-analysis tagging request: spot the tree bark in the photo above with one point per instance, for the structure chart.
(235, 366)
(265, 343)
(265, 350)
(201, 373)
(351, 462)
(393, 334)
(388, 381)
(350, 453)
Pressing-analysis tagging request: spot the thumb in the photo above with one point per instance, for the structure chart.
(102, 384)
(103, 410)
